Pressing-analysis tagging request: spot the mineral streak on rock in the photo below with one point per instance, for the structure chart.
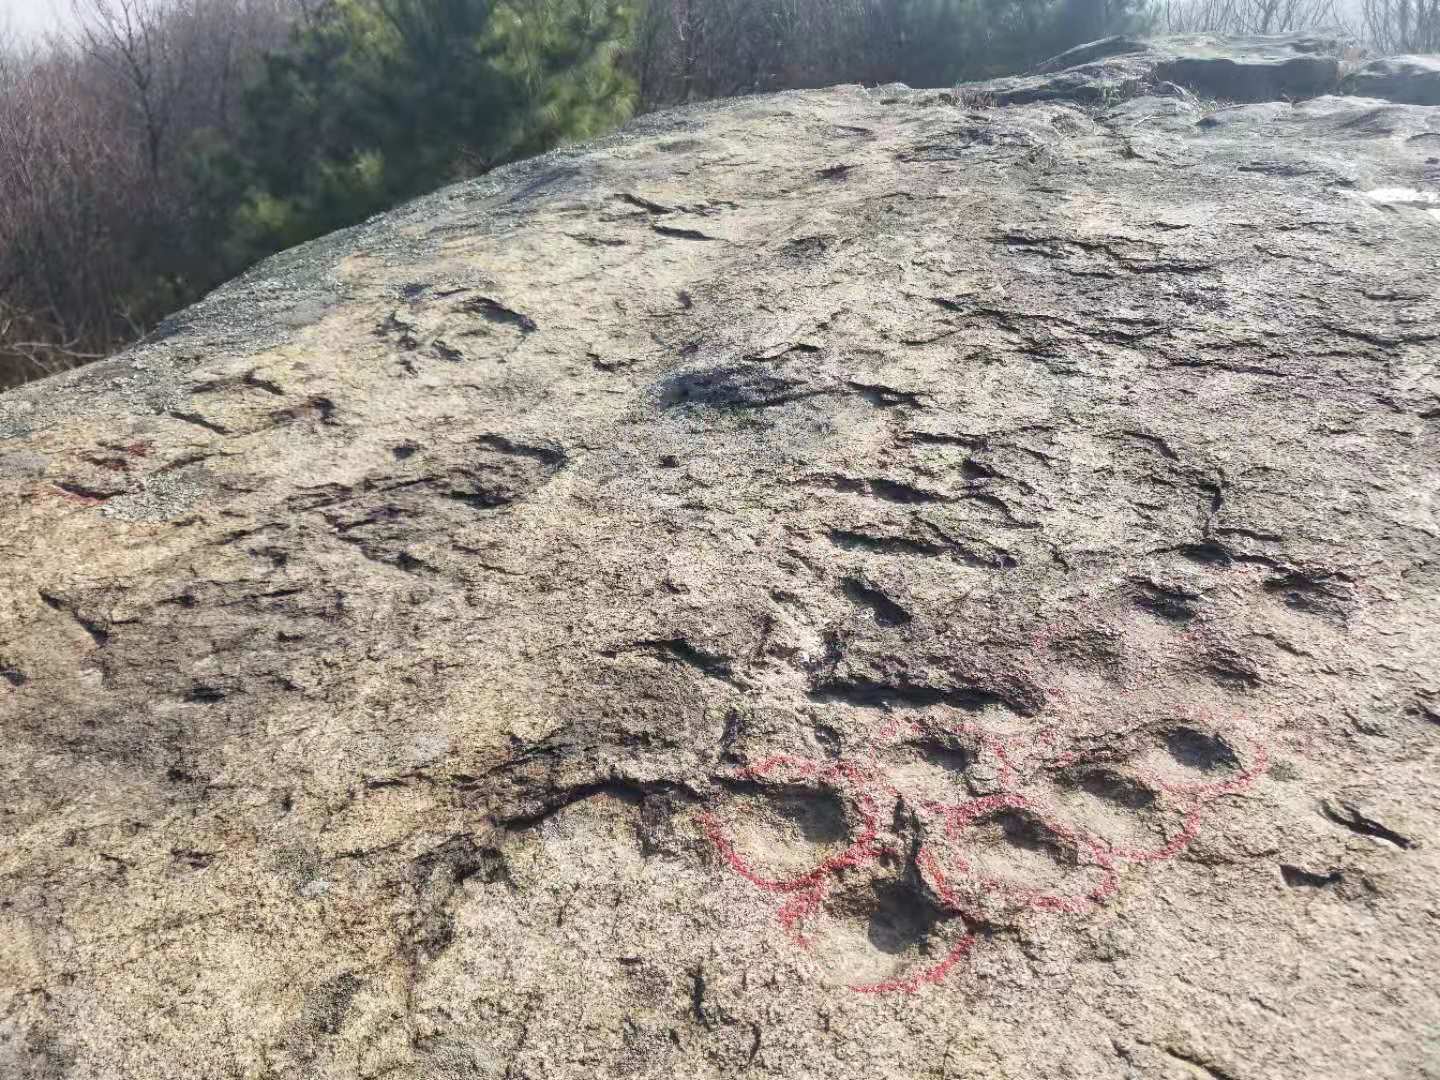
(847, 583)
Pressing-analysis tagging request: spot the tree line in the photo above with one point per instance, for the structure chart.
(166, 145)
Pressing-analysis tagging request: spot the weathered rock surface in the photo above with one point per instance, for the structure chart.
(842, 584)
(1236, 70)
(1410, 80)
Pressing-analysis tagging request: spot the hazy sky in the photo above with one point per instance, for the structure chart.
(30, 17)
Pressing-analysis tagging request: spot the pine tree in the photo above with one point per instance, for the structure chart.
(381, 100)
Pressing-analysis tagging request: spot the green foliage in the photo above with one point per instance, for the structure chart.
(566, 55)
(381, 100)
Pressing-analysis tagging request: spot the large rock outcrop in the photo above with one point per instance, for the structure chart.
(1409, 80)
(856, 583)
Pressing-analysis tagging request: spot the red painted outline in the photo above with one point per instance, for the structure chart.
(863, 786)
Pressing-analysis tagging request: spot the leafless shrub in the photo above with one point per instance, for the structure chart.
(689, 50)
(93, 196)
(62, 179)
(1402, 26)
(694, 49)
(178, 64)
(1251, 16)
